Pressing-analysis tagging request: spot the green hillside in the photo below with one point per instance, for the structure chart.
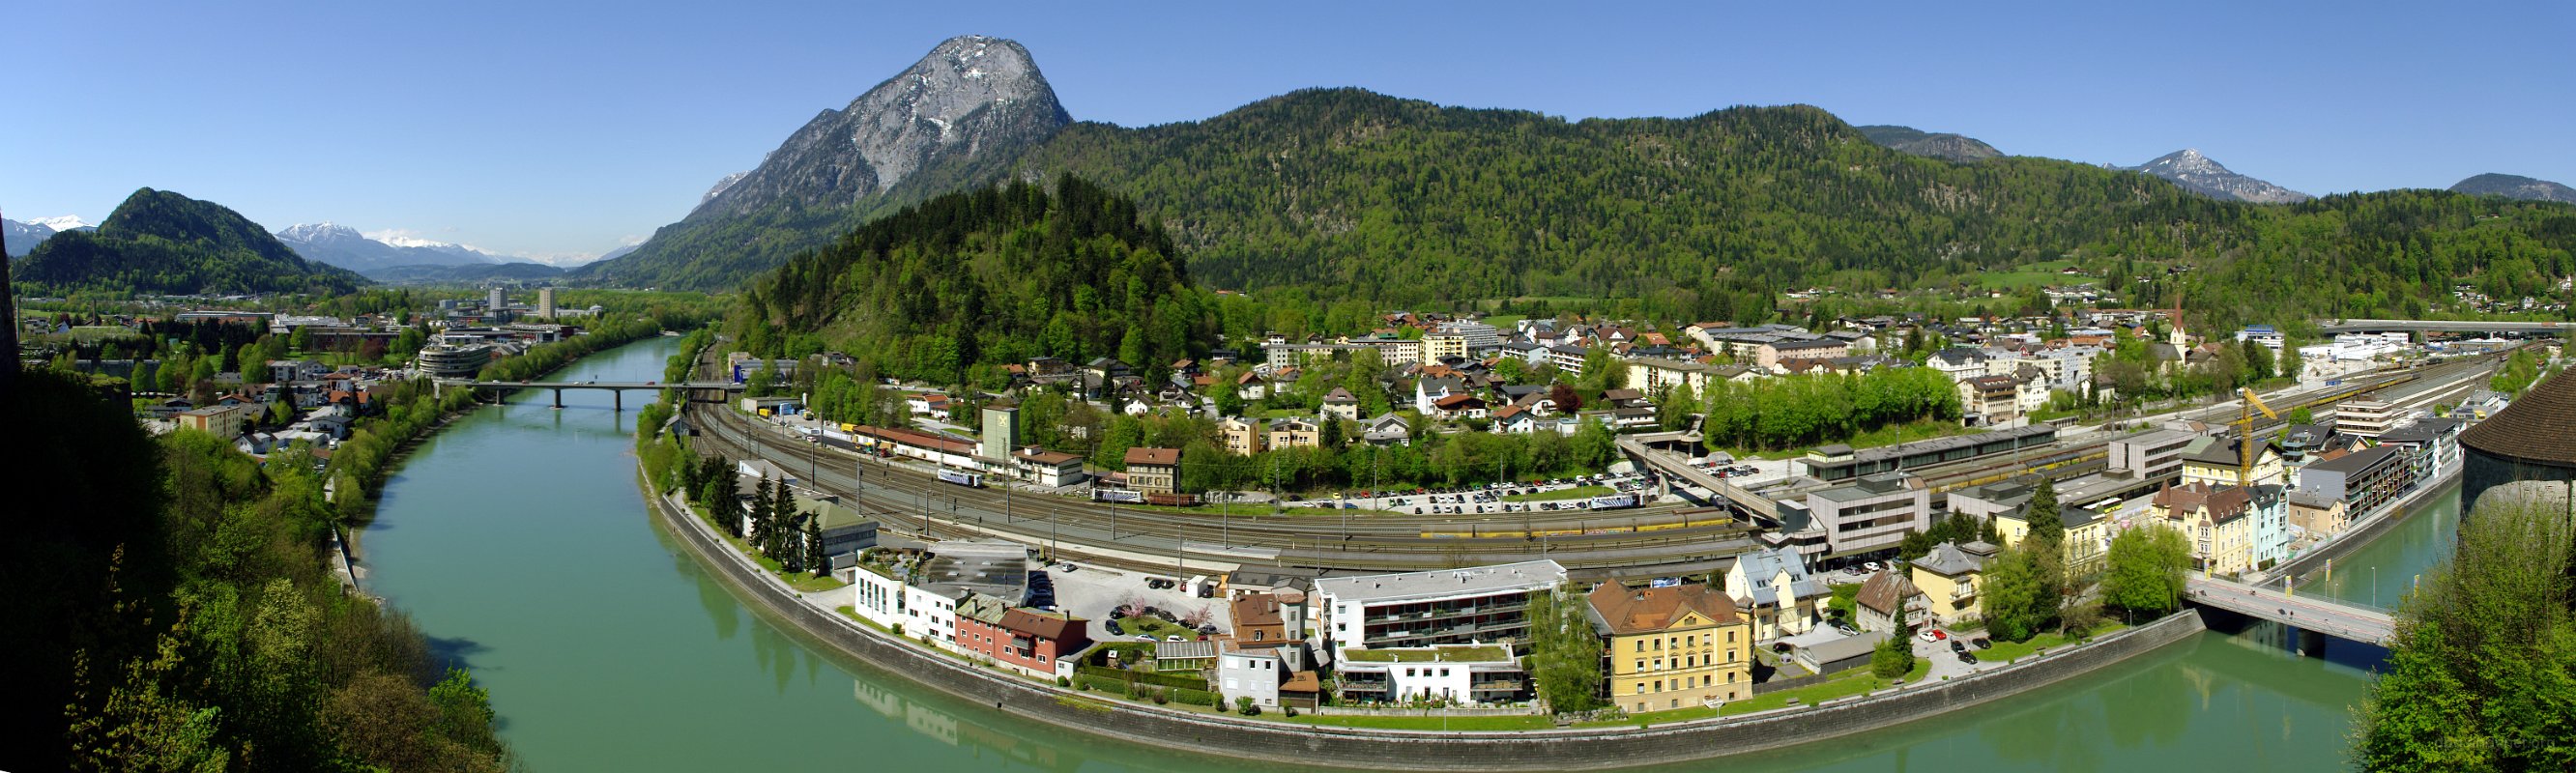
(1354, 194)
(163, 242)
(996, 275)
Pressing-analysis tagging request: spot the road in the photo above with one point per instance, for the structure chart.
(2308, 613)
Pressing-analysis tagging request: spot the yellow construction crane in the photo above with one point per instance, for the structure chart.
(2245, 439)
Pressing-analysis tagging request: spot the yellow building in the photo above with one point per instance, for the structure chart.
(1950, 577)
(1673, 647)
(2214, 520)
(2087, 534)
(2218, 462)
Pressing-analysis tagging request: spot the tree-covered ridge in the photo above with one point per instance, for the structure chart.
(997, 275)
(163, 242)
(1408, 204)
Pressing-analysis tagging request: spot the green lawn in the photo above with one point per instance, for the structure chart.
(1155, 627)
(802, 582)
(1855, 682)
(2009, 650)
(1578, 492)
(2036, 274)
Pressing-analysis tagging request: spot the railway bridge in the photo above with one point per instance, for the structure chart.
(618, 388)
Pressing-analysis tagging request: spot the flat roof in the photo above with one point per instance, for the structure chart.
(1526, 575)
(1951, 443)
(1446, 653)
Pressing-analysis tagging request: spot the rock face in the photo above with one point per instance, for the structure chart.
(2514, 187)
(2199, 174)
(1907, 139)
(971, 94)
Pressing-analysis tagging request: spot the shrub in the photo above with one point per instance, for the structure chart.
(1162, 697)
(1063, 682)
(1243, 704)
(1194, 697)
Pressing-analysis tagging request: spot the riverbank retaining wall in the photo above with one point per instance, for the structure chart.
(2303, 567)
(1222, 736)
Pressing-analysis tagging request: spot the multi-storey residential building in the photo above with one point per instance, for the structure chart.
(1655, 375)
(1872, 513)
(1889, 602)
(1026, 640)
(1438, 346)
(1341, 405)
(1468, 674)
(1242, 436)
(2367, 418)
(1672, 647)
(2431, 445)
(1449, 606)
(2150, 455)
(2222, 523)
(1295, 433)
(2363, 480)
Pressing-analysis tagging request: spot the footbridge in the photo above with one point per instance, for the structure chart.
(2314, 617)
(1671, 465)
(618, 388)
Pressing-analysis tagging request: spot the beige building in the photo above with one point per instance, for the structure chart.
(1675, 647)
(1153, 470)
(1295, 433)
(2215, 520)
(2218, 461)
(1241, 436)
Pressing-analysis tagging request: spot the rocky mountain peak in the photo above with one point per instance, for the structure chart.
(970, 95)
(2201, 174)
(1907, 139)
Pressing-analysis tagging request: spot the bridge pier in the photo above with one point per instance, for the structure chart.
(2311, 643)
(558, 397)
(617, 397)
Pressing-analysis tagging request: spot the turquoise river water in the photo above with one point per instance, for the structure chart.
(518, 540)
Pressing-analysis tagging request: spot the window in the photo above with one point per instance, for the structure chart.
(1641, 645)
(1659, 685)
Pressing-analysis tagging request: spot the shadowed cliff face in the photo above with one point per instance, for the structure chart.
(970, 95)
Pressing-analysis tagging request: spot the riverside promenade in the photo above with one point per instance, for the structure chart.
(1222, 736)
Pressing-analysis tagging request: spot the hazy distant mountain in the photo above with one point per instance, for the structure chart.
(1918, 142)
(971, 97)
(22, 237)
(162, 242)
(617, 253)
(428, 274)
(2199, 174)
(2515, 187)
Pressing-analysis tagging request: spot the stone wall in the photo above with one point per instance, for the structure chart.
(1405, 749)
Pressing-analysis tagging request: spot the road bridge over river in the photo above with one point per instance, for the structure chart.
(2311, 615)
(619, 388)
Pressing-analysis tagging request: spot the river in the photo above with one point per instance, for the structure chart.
(518, 540)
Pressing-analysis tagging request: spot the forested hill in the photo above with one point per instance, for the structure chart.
(1353, 194)
(163, 242)
(996, 275)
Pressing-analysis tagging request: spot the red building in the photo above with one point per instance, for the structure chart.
(1030, 640)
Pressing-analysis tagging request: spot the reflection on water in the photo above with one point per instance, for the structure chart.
(2382, 572)
(518, 537)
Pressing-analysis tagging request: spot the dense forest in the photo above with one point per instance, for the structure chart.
(996, 275)
(172, 610)
(1402, 203)
(162, 242)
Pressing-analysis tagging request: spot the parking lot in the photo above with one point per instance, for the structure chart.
(1488, 498)
(1090, 592)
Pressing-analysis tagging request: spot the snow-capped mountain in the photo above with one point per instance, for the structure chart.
(63, 223)
(2199, 174)
(21, 237)
(346, 247)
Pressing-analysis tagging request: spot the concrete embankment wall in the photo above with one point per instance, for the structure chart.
(1410, 750)
(2314, 561)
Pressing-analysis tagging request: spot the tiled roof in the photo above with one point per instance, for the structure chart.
(1641, 610)
(2533, 428)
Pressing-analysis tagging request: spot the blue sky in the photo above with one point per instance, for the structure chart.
(570, 128)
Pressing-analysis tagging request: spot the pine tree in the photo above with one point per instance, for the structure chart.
(815, 559)
(2045, 523)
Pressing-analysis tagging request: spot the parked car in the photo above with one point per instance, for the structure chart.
(1871, 566)
(1144, 637)
(1173, 637)
(1115, 629)
(1958, 646)
(1967, 658)
(1846, 628)
(1983, 643)
(1930, 634)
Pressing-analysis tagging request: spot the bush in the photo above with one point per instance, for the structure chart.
(1162, 697)
(1063, 682)
(1288, 711)
(1194, 697)
(1893, 658)
(1243, 705)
